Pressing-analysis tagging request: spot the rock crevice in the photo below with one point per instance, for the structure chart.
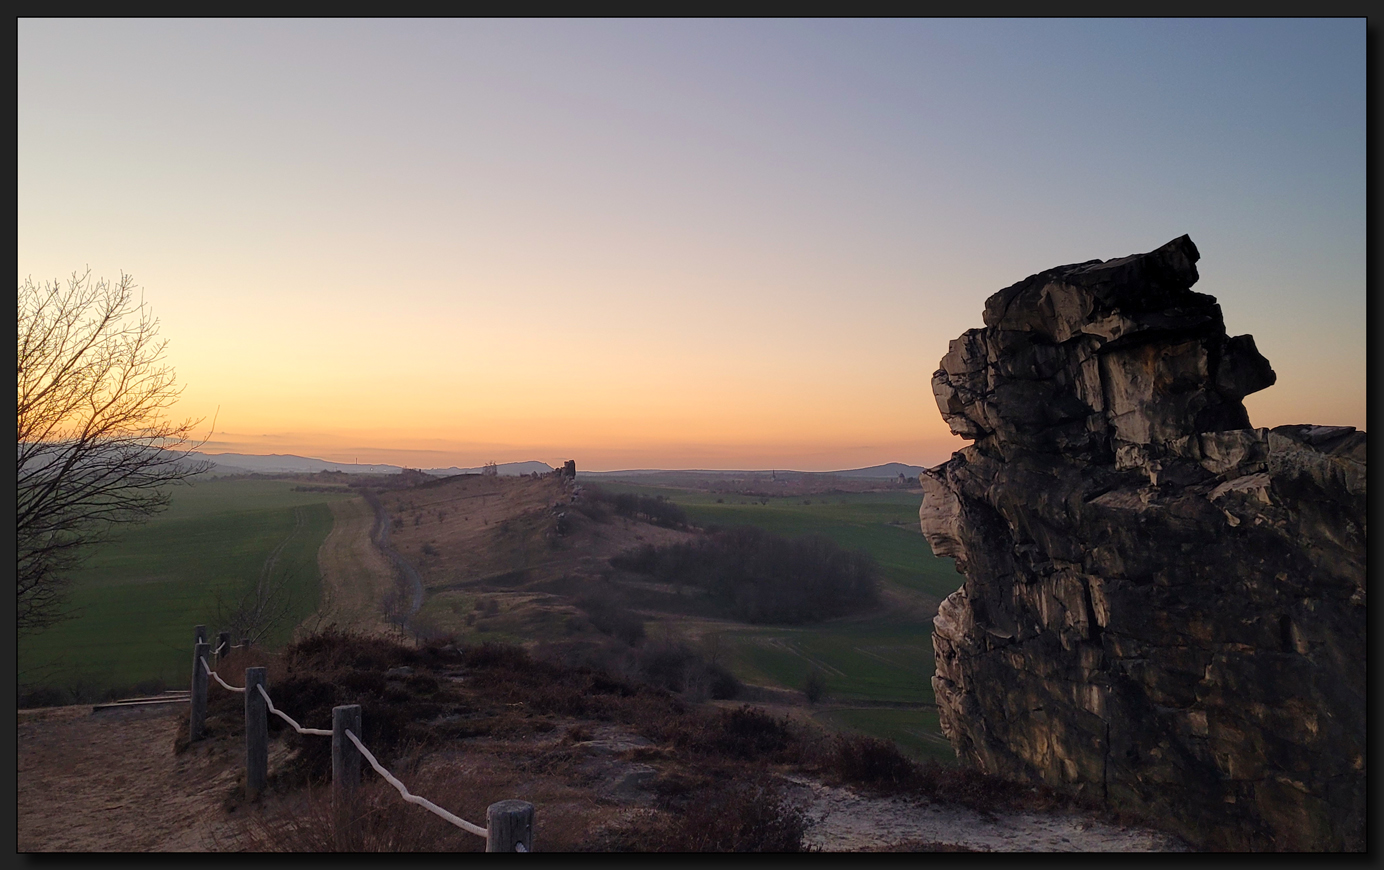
(1163, 606)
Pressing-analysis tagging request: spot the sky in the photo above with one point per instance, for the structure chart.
(675, 244)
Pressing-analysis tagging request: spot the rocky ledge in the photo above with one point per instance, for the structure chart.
(1164, 608)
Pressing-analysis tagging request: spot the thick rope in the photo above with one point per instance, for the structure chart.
(284, 716)
(403, 791)
(217, 676)
(412, 798)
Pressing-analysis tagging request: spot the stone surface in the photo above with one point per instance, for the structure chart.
(1164, 608)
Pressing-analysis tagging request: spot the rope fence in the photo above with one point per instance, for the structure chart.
(413, 798)
(318, 732)
(214, 675)
(509, 823)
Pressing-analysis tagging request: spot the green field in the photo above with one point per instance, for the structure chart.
(915, 731)
(879, 659)
(138, 598)
(884, 658)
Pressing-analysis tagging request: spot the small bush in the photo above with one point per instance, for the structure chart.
(737, 816)
(815, 686)
(722, 684)
(608, 613)
(658, 511)
(762, 577)
(873, 762)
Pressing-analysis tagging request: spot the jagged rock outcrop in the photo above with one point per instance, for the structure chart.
(1164, 609)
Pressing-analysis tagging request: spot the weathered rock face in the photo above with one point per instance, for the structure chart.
(1164, 608)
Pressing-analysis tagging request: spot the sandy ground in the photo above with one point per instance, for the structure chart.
(109, 781)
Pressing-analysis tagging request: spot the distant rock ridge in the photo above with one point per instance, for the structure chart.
(1164, 608)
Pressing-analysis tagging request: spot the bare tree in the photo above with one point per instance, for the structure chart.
(264, 605)
(95, 448)
(260, 609)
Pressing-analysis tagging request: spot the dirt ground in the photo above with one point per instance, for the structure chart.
(110, 781)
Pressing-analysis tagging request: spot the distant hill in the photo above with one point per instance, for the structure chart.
(886, 471)
(287, 463)
(889, 469)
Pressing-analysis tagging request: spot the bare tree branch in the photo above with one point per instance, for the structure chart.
(95, 449)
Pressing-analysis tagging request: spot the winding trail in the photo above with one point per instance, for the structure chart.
(380, 536)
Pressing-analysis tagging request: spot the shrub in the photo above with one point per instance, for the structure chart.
(658, 511)
(721, 683)
(607, 612)
(736, 816)
(815, 686)
(871, 761)
(762, 577)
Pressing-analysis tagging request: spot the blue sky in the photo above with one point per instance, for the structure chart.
(729, 243)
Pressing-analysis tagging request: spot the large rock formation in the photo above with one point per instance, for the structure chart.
(1164, 609)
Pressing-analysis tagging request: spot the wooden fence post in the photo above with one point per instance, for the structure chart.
(223, 646)
(199, 634)
(509, 824)
(198, 720)
(256, 733)
(346, 761)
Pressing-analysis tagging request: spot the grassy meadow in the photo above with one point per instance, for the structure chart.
(137, 599)
(877, 668)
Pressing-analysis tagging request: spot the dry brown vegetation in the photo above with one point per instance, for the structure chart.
(614, 764)
(355, 575)
(524, 548)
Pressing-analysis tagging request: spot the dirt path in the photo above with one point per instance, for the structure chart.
(110, 782)
(379, 535)
(843, 820)
(355, 574)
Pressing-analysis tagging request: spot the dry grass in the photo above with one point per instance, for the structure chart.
(749, 815)
(512, 539)
(465, 726)
(355, 574)
(880, 766)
